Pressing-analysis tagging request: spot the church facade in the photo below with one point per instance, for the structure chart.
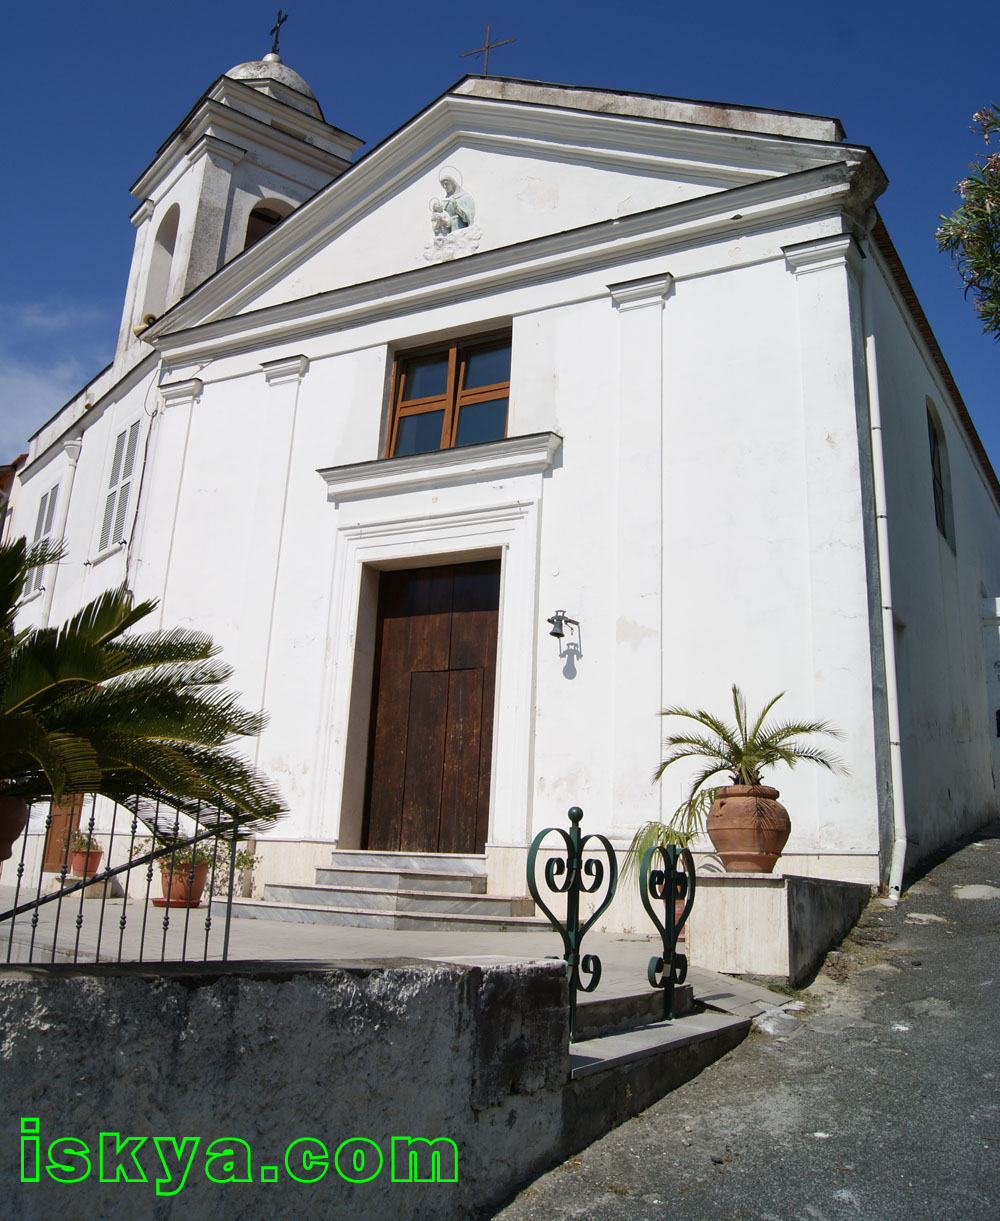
(645, 372)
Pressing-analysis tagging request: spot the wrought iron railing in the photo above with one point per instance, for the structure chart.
(114, 914)
(573, 877)
(673, 887)
(666, 874)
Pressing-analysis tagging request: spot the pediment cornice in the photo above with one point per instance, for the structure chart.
(759, 205)
(721, 158)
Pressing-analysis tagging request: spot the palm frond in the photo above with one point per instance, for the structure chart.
(727, 733)
(47, 665)
(748, 747)
(67, 763)
(161, 649)
(759, 723)
(108, 615)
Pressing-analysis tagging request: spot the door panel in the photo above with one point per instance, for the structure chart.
(460, 781)
(425, 751)
(432, 719)
(65, 820)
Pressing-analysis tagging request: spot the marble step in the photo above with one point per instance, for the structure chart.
(409, 862)
(398, 879)
(369, 899)
(597, 1016)
(310, 913)
(703, 1036)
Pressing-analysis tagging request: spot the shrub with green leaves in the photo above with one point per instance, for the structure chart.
(972, 233)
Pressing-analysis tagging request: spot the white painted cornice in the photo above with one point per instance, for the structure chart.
(526, 455)
(606, 244)
(217, 149)
(722, 158)
(85, 408)
(241, 97)
(186, 392)
(142, 213)
(288, 369)
(214, 118)
(636, 294)
(820, 255)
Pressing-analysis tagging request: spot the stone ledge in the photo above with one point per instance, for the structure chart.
(762, 924)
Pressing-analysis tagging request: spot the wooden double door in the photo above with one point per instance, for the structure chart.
(431, 736)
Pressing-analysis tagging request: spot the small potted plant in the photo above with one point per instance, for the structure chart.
(746, 824)
(184, 872)
(85, 853)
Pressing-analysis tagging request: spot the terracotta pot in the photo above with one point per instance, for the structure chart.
(180, 889)
(89, 861)
(13, 820)
(747, 827)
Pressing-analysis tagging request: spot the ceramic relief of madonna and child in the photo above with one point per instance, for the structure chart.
(452, 220)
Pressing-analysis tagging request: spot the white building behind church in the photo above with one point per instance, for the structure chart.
(650, 363)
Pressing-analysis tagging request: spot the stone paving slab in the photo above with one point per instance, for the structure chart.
(624, 958)
(597, 1055)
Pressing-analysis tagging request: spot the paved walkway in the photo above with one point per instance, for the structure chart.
(624, 959)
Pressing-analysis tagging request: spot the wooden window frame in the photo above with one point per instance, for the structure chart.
(454, 398)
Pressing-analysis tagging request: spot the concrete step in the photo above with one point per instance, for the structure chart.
(312, 913)
(597, 1016)
(398, 879)
(381, 900)
(409, 862)
(701, 1036)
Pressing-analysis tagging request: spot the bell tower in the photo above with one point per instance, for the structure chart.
(254, 147)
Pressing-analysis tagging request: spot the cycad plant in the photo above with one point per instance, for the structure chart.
(743, 748)
(139, 717)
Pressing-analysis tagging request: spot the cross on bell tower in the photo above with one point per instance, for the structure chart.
(276, 30)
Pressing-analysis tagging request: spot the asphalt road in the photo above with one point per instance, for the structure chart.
(880, 1099)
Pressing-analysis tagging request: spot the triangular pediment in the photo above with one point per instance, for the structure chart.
(534, 161)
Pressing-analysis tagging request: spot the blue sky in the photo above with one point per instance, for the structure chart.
(93, 89)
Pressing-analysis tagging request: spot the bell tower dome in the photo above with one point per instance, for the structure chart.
(253, 148)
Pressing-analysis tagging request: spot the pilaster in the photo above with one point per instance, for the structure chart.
(842, 553)
(638, 687)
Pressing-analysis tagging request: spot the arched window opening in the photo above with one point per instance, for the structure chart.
(263, 219)
(940, 477)
(160, 260)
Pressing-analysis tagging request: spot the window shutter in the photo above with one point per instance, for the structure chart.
(109, 517)
(43, 527)
(119, 486)
(40, 520)
(116, 465)
(119, 534)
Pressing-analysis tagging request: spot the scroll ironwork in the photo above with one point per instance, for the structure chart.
(670, 882)
(573, 876)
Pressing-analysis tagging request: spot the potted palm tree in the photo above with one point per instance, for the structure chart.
(139, 717)
(747, 825)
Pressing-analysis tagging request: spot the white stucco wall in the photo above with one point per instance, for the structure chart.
(947, 721)
(704, 507)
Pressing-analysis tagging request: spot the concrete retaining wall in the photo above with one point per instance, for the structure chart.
(273, 1053)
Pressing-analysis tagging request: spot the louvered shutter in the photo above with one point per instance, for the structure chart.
(43, 527)
(119, 487)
